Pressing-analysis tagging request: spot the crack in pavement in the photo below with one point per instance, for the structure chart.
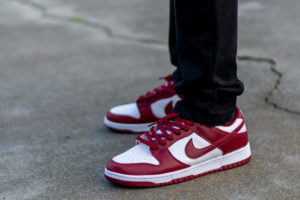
(111, 34)
(107, 30)
(279, 75)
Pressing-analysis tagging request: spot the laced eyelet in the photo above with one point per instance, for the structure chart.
(169, 126)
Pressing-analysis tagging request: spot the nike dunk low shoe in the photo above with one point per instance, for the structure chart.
(136, 117)
(176, 150)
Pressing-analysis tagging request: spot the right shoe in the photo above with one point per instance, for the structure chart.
(175, 149)
(136, 117)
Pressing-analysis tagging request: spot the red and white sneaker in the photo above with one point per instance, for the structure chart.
(136, 117)
(176, 150)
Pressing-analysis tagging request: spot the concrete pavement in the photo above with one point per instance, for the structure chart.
(64, 63)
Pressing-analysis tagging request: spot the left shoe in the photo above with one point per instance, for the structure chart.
(136, 117)
(176, 150)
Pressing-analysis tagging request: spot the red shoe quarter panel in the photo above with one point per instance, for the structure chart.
(236, 142)
(214, 136)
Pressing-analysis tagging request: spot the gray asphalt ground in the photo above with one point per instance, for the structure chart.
(64, 63)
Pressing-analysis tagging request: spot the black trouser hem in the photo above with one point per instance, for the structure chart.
(208, 120)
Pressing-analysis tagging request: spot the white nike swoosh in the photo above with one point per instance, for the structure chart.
(158, 107)
(178, 150)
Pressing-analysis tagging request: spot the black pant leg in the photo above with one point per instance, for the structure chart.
(206, 45)
(176, 76)
(172, 36)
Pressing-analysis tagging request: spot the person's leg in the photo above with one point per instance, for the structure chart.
(172, 36)
(176, 148)
(205, 54)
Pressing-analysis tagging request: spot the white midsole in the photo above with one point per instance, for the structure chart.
(216, 163)
(130, 127)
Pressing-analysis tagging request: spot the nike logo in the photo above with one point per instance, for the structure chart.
(164, 106)
(194, 149)
(192, 152)
(169, 108)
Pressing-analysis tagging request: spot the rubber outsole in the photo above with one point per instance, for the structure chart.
(150, 184)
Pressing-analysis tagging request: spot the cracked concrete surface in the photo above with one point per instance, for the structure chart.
(63, 62)
(111, 33)
(109, 29)
(277, 82)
